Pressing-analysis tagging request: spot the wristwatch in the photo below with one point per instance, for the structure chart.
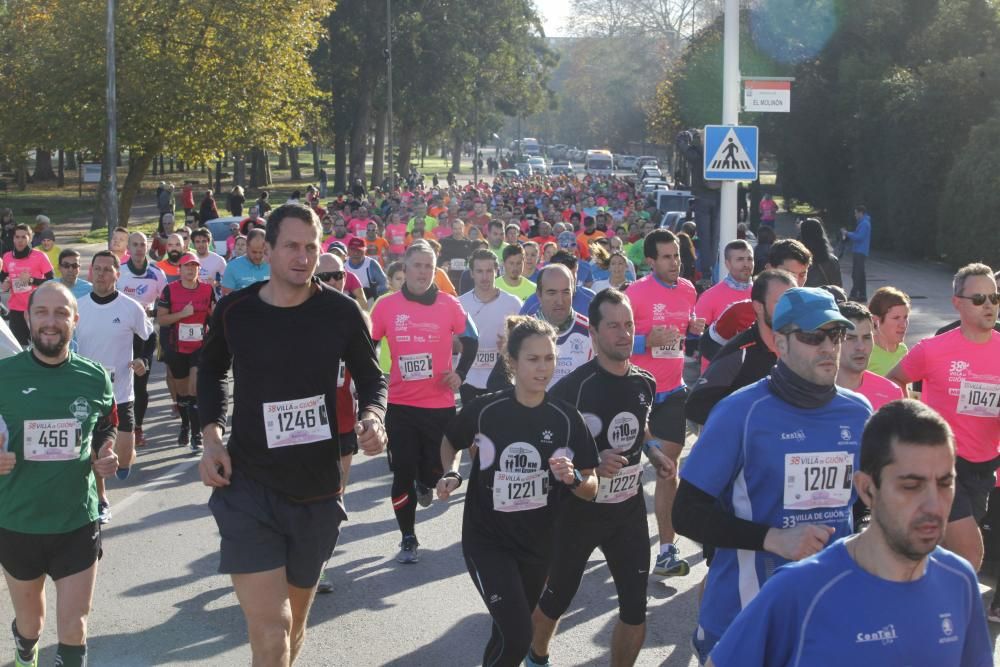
(577, 479)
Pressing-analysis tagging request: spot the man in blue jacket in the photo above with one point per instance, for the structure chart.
(861, 239)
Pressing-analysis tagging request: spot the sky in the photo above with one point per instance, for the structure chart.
(554, 13)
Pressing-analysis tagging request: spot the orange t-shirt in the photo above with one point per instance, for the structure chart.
(443, 282)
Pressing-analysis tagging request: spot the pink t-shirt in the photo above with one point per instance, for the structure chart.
(419, 339)
(351, 282)
(962, 382)
(653, 303)
(878, 390)
(21, 273)
(330, 239)
(396, 236)
(768, 209)
(358, 226)
(714, 301)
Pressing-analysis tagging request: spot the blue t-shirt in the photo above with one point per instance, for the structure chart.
(80, 288)
(581, 302)
(770, 462)
(241, 272)
(825, 610)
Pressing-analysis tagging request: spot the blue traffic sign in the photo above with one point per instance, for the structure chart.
(730, 153)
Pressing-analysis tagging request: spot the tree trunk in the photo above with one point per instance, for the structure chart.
(170, 162)
(118, 159)
(315, 154)
(254, 168)
(239, 169)
(456, 153)
(162, 172)
(218, 178)
(378, 155)
(152, 166)
(133, 181)
(43, 166)
(359, 132)
(340, 163)
(21, 173)
(61, 171)
(265, 169)
(405, 147)
(283, 157)
(71, 161)
(293, 163)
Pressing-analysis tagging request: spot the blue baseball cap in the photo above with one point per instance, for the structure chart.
(566, 240)
(807, 308)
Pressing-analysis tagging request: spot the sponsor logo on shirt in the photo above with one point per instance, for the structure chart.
(886, 636)
(402, 321)
(796, 435)
(947, 630)
(80, 409)
(117, 320)
(28, 390)
(546, 436)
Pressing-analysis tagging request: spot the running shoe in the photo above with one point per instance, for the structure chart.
(324, 585)
(103, 512)
(670, 564)
(993, 615)
(18, 660)
(424, 495)
(196, 447)
(140, 437)
(184, 437)
(529, 662)
(408, 553)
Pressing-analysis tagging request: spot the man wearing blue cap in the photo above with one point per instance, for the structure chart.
(770, 479)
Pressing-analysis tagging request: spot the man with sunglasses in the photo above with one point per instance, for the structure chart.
(330, 270)
(960, 371)
(770, 479)
(69, 266)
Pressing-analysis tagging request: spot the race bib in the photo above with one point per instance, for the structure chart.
(190, 333)
(51, 439)
(485, 359)
(341, 374)
(416, 366)
(520, 491)
(621, 487)
(979, 399)
(297, 422)
(674, 351)
(21, 286)
(398, 240)
(820, 479)
(457, 264)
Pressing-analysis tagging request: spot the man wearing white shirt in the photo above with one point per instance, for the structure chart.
(213, 265)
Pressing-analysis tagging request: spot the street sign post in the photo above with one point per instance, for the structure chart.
(730, 153)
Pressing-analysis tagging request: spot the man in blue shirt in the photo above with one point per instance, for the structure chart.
(69, 265)
(889, 596)
(770, 479)
(250, 268)
(861, 239)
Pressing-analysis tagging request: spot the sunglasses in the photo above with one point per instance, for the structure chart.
(69, 266)
(815, 338)
(980, 299)
(327, 276)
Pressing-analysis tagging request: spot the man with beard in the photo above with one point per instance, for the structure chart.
(769, 480)
(854, 355)
(890, 595)
(58, 422)
(169, 264)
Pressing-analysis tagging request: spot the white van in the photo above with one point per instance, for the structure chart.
(530, 146)
(599, 163)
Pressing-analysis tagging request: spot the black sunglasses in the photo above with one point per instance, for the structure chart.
(327, 276)
(814, 338)
(980, 299)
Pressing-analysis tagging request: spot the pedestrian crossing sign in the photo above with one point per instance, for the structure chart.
(730, 153)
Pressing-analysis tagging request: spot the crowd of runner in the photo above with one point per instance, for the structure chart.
(555, 330)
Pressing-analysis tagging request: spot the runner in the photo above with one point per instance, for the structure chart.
(524, 440)
(489, 307)
(455, 251)
(512, 279)
(277, 484)
(57, 429)
(251, 268)
(368, 271)
(582, 296)
(109, 321)
(330, 270)
(418, 323)
(184, 308)
(855, 353)
(145, 283)
(212, 265)
(960, 371)
(22, 270)
(907, 600)
(891, 309)
(69, 267)
(169, 265)
(792, 256)
(614, 397)
(762, 505)
(738, 257)
(664, 306)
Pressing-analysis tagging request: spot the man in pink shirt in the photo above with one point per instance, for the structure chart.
(734, 287)
(663, 304)
(854, 354)
(359, 223)
(22, 270)
(960, 371)
(418, 323)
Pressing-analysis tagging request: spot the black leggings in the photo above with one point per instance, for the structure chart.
(510, 587)
(145, 350)
(19, 327)
(414, 454)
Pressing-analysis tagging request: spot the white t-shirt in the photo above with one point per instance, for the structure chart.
(489, 319)
(104, 335)
(144, 288)
(361, 272)
(212, 265)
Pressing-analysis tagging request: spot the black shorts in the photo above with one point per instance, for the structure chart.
(179, 363)
(26, 556)
(348, 443)
(973, 484)
(415, 436)
(621, 531)
(262, 530)
(667, 420)
(126, 417)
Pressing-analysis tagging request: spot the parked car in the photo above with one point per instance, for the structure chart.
(627, 162)
(524, 169)
(509, 174)
(642, 161)
(538, 165)
(650, 171)
(562, 169)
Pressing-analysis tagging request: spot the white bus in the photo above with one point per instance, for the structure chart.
(531, 147)
(599, 163)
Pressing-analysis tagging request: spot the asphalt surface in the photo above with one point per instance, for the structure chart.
(159, 600)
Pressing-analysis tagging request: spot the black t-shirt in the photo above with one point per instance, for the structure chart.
(458, 249)
(511, 494)
(286, 364)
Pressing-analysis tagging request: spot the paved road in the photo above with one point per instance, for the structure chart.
(159, 600)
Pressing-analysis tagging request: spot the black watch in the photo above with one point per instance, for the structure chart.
(577, 479)
(451, 474)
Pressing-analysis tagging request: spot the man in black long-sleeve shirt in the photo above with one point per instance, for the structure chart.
(277, 484)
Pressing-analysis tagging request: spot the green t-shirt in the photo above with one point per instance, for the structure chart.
(50, 496)
(430, 223)
(636, 253)
(525, 289)
(881, 362)
(384, 356)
